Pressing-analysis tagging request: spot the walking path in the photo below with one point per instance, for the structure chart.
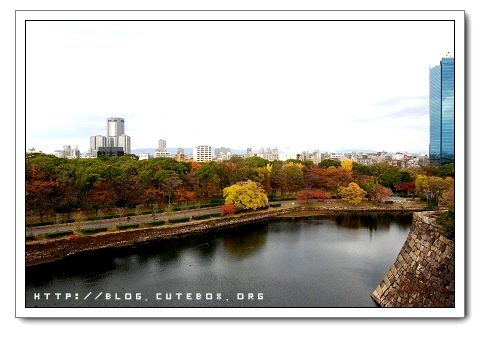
(140, 219)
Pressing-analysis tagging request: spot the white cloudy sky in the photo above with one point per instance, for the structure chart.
(293, 85)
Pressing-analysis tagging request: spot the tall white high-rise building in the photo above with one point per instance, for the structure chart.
(202, 153)
(115, 126)
(124, 142)
(97, 142)
(162, 146)
(116, 134)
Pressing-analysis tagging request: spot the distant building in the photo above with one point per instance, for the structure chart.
(271, 154)
(115, 126)
(337, 157)
(145, 156)
(31, 151)
(67, 152)
(124, 142)
(315, 156)
(110, 151)
(97, 142)
(202, 153)
(162, 146)
(162, 154)
(223, 154)
(116, 134)
(442, 110)
(180, 156)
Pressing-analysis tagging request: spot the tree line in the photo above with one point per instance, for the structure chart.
(57, 185)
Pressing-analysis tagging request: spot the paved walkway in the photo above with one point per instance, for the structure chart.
(121, 220)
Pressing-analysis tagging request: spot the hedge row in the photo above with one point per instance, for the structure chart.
(38, 224)
(201, 217)
(156, 223)
(90, 231)
(179, 220)
(59, 234)
(97, 218)
(275, 205)
(127, 226)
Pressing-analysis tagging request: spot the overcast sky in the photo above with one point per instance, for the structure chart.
(294, 85)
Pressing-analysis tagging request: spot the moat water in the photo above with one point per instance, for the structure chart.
(321, 261)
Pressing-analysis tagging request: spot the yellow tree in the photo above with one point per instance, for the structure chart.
(347, 165)
(248, 195)
(353, 193)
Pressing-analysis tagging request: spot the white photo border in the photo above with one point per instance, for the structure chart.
(22, 17)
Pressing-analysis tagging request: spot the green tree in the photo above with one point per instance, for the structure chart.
(294, 176)
(447, 170)
(389, 178)
(248, 195)
(327, 163)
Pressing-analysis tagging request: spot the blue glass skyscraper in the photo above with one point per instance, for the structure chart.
(442, 98)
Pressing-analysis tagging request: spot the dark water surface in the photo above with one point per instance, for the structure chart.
(321, 261)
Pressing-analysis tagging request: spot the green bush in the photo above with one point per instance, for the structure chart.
(39, 224)
(59, 234)
(179, 220)
(97, 218)
(201, 217)
(90, 231)
(218, 214)
(388, 202)
(281, 198)
(275, 205)
(156, 223)
(447, 222)
(127, 226)
(29, 238)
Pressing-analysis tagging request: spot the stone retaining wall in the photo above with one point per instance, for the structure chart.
(44, 251)
(423, 274)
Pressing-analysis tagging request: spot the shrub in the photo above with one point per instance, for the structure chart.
(388, 202)
(218, 214)
(275, 205)
(201, 217)
(39, 224)
(229, 209)
(127, 226)
(179, 220)
(156, 223)
(59, 234)
(90, 231)
(30, 238)
(96, 218)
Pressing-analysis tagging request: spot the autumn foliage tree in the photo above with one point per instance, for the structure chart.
(353, 194)
(432, 188)
(378, 193)
(308, 194)
(248, 195)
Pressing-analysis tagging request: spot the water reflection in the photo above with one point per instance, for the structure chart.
(370, 221)
(245, 242)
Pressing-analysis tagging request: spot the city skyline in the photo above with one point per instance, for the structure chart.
(248, 84)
